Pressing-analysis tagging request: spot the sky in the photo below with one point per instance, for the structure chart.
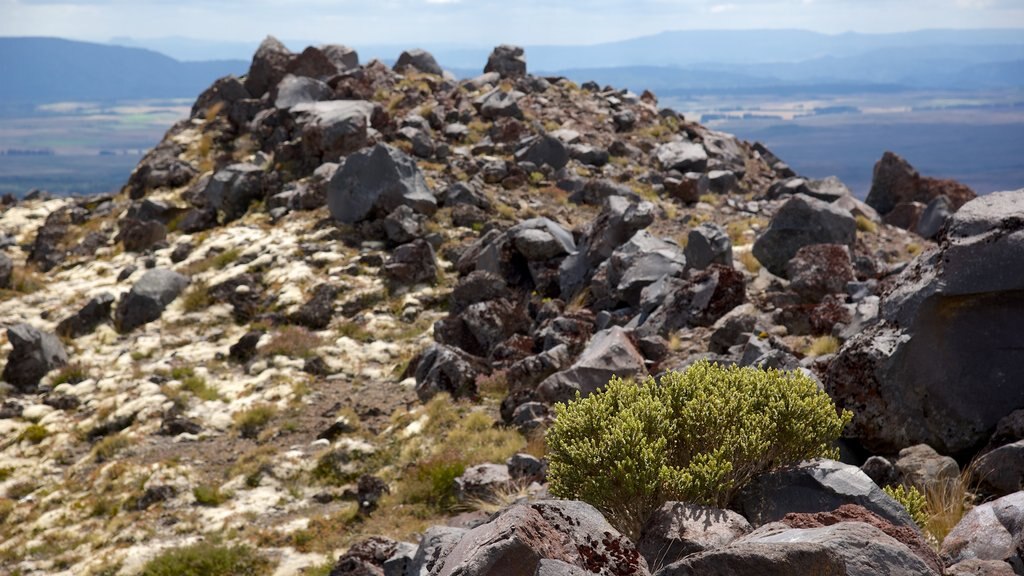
(482, 22)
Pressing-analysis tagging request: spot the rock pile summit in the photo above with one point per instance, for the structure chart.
(323, 326)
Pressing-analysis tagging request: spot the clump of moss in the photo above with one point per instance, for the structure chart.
(211, 496)
(34, 434)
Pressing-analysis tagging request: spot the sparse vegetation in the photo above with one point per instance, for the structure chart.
(197, 297)
(207, 495)
(292, 341)
(749, 261)
(195, 385)
(108, 447)
(19, 490)
(823, 345)
(697, 436)
(34, 434)
(252, 421)
(208, 559)
(864, 224)
(911, 499)
(70, 374)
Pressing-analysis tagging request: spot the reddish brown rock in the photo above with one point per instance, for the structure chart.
(820, 269)
(853, 513)
(896, 182)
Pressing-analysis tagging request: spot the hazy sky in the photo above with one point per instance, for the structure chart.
(484, 22)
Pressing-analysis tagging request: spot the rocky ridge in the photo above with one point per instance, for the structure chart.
(259, 339)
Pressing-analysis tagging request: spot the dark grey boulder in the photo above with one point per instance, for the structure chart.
(843, 549)
(146, 301)
(545, 149)
(524, 467)
(1001, 471)
(609, 353)
(34, 353)
(641, 261)
(376, 181)
(95, 312)
(433, 548)
(312, 63)
(508, 61)
(936, 371)
(604, 549)
(317, 312)
(880, 470)
(333, 129)
(343, 57)
(800, 222)
(268, 66)
(233, 189)
(402, 225)
(445, 369)
(482, 482)
(412, 263)
(990, 531)
(682, 156)
(817, 270)
(140, 235)
(816, 486)
(708, 244)
(295, 90)
(420, 60)
(679, 529)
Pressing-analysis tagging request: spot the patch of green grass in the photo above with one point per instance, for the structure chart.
(208, 559)
(34, 434)
(5, 473)
(252, 421)
(211, 496)
(354, 331)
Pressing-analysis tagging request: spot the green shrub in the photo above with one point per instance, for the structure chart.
(913, 500)
(211, 496)
(35, 433)
(697, 436)
(250, 422)
(205, 559)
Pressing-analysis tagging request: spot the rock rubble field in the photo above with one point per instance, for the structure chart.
(323, 327)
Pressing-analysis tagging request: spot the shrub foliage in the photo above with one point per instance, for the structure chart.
(695, 436)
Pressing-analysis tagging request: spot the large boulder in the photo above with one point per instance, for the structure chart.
(923, 467)
(412, 263)
(333, 129)
(609, 353)
(1001, 471)
(708, 244)
(508, 61)
(545, 149)
(34, 354)
(844, 549)
(419, 60)
(294, 90)
(374, 182)
(683, 156)
(450, 370)
(936, 370)
(95, 312)
(233, 188)
(896, 182)
(991, 531)
(268, 68)
(800, 222)
(816, 486)
(147, 299)
(818, 270)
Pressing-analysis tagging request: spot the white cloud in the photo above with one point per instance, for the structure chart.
(720, 8)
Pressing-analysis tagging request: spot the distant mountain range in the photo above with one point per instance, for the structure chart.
(42, 70)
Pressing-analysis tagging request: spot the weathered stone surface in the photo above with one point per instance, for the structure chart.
(268, 67)
(800, 222)
(991, 531)
(481, 481)
(147, 299)
(95, 312)
(678, 529)
(334, 129)
(34, 353)
(412, 263)
(6, 271)
(318, 311)
(818, 270)
(708, 244)
(922, 466)
(934, 217)
(233, 189)
(295, 90)
(935, 370)
(419, 60)
(446, 369)
(140, 235)
(682, 156)
(909, 537)
(545, 149)
(977, 567)
(508, 61)
(816, 486)
(609, 353)
(375, 182)
(895, 182)
(847, 549)
(1001, 471)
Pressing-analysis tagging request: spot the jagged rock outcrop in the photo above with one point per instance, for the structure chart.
(34, 354)
(936, 369)
(375, 182)
(896, 182)
(802, 221)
